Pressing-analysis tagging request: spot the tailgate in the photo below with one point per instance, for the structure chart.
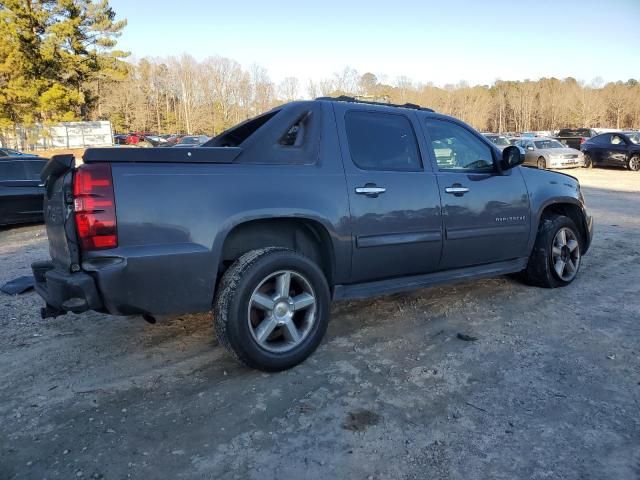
(58, 211)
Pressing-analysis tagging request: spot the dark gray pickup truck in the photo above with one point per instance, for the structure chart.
(312, 201)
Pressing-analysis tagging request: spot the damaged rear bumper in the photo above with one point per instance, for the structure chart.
(63, 291)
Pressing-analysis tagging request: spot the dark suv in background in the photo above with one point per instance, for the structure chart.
(21, 189)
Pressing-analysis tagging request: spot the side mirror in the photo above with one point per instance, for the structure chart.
(530, 148)
(512, 157)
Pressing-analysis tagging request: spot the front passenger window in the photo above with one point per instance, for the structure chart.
(456, 148)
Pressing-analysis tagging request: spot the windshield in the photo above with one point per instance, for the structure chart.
(500, 141)
(543, 144)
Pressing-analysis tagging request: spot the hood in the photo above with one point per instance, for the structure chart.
(560, 151)
(551, 176)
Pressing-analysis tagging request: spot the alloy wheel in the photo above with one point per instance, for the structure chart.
(282, 311)
(565, 254)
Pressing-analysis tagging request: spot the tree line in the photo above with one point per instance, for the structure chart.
(181, 94)
(59, 62)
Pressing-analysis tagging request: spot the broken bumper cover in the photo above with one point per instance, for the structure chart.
(63, 291)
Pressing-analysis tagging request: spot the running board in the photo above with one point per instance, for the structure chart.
(414, 282)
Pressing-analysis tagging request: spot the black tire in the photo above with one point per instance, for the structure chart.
(542, 163)
(588, 161)
(540, 271)
(231, 307)
(634, 163)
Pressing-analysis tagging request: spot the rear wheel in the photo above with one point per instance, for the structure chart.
(588, 161)
(272, 308)
(556, 255)
(542, 163)
(634, 163)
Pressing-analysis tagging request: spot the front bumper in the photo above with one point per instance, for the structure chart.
(557, 164)
(63, 291)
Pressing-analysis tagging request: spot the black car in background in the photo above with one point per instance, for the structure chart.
(21, 190)
(10, 152)
(615, 149)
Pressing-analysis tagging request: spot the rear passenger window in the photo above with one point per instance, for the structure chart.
(382, 141)
(12, 170)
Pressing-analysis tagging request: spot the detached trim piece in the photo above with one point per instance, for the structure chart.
(397, 239)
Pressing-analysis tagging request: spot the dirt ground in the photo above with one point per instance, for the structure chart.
(550, 388)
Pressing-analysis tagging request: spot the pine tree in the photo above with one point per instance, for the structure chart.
(53, 54)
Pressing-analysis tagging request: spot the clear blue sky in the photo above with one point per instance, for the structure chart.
(439, 41)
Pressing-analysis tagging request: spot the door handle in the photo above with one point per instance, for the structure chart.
(370, 190)
(457, 190)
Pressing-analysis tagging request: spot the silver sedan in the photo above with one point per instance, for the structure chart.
(549, 153)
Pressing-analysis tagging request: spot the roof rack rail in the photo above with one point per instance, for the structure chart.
(345, 98)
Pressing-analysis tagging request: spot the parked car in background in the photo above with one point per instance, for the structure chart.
(173, 139)
(550, 153)
(156, 140)
(192, 141)
(120, 139)
(613, 149)
(10, 152)
(136, 137)
(21, 189)
(499, 141)
(259, 223)
(575, 137)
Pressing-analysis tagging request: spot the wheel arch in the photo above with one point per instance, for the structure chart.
(574, 211)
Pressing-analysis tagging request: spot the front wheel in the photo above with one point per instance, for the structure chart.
(542, 163)
(272, 308)
(556, 255)
(634, 163)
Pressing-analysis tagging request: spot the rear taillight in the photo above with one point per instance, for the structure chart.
(582, 140)
(95, 206)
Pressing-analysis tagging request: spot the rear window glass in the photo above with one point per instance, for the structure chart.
(579, 132)
(12, 171)
(382, 141)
